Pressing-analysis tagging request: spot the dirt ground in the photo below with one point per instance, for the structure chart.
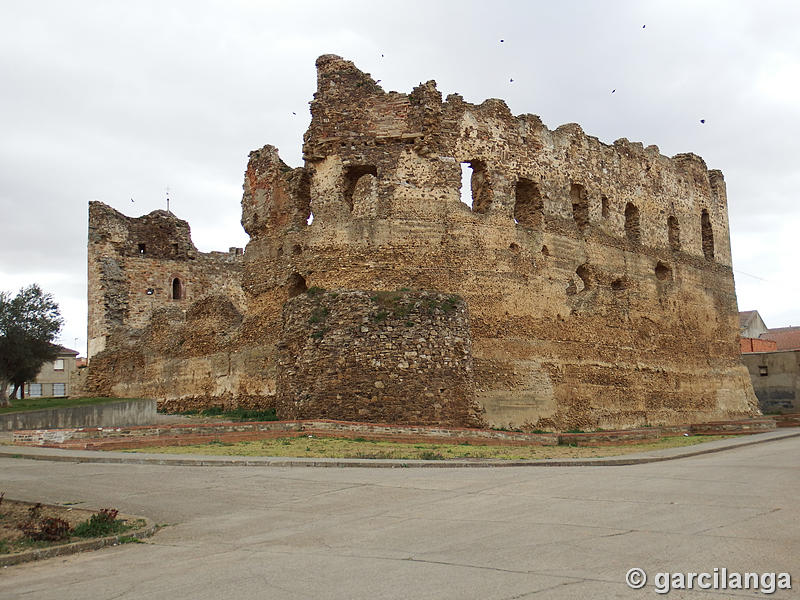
(13, 513)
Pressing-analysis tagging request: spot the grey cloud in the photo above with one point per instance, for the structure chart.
(112, 100)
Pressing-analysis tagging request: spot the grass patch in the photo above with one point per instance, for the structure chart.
(29, 404)
(234, 414)
(360, 448)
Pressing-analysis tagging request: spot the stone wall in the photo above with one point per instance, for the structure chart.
(598, 276)
(150, 336)
(138, 266)
(386, 357)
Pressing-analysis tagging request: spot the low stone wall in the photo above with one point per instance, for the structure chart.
(610, 438)
(112, 438)
(735, 427)
(118, 414)
(81, 437)
(787, 420)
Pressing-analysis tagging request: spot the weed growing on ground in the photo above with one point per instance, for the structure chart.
(431, 455)
(235, 414)
(101, 524)
(129, 539)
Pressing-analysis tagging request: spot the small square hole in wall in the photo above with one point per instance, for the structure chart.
(763, 371)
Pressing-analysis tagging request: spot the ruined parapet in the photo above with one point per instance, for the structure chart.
(386, 357)
(276, 197)
(140, 265)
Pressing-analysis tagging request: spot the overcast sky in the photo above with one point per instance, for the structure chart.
(117, 100)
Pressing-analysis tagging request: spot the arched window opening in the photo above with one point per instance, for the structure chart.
(527, 203)
(674, 233)
(580, 206)
(708, 235)
(475, 186)
(351, 177)
(633, 229)
(177, 289)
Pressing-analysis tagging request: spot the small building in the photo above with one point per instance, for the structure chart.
(776, 380)
(751, 325)
(772, 357)
(55, 377)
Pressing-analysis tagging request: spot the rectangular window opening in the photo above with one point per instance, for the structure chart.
(466, 184)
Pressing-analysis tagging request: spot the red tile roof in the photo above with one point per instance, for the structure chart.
(787, 338)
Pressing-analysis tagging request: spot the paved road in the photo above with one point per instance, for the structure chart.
(546, 533)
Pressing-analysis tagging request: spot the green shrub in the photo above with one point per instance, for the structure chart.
(101, 524)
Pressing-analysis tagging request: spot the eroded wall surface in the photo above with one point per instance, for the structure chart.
(597, 277)
(390, 357)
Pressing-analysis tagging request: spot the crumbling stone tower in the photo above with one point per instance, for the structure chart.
(590, 284)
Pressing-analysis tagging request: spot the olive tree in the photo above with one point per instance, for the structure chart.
(29, 322)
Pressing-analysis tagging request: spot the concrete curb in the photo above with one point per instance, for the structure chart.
(7, 560)
(93, 456)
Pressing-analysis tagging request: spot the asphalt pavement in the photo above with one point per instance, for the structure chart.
(562, 532)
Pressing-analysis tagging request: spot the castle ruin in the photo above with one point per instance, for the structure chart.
(588, 285)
